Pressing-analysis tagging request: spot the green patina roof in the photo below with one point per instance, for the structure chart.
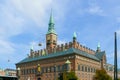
(67, 62)
(100, 54)
(74, 35)
(98, 45)
(51, 18)
(31, 48)
(62, 53)
(51, 25)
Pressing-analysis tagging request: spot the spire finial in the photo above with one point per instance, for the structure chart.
(51, 18)
(51, 24)
(74, 35)
(98, 47)
(31, 47)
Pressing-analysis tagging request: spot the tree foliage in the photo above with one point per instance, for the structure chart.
(118, 78)
(68, 76)
(101, 75)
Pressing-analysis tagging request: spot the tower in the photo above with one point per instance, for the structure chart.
(51, 36)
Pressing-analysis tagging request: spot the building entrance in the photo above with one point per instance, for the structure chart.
(39, 79)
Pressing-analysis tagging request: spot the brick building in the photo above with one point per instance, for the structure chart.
(47, 64)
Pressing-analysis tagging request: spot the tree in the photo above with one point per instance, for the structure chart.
(72, 76)
(101, 75)
(118, 78)
(67, 76)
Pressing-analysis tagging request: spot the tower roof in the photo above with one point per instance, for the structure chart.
(98, 45)
(51, 18)
(51, 28)
(74, 35)
(67, 62)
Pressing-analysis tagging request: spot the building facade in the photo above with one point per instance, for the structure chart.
(8, 72)
(49, 63)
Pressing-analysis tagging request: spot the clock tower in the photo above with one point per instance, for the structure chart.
(51, 36)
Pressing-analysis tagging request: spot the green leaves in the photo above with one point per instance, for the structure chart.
(101, 75)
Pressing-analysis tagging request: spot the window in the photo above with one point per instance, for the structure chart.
(42, 69)
(82, 68)
(50, 69)
(58, 68)
(79, 67)
(88, 69)
(46, 69)
(91, 70)
(66, 67)
(85, 69)
(62, 67)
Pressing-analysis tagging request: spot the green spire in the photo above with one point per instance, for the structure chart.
(98, 47)
(51, 18)
(51, 25)
(31, 47)
(74, 35)
(43, 53)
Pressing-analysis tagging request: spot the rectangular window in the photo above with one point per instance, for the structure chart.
(58, 68)
(62, 67)
(78, 67)
(85, 69)
(82, 68)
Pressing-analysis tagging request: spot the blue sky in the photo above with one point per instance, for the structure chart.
(24, 23)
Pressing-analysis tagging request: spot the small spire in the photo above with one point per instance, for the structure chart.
(51, 18)
(98, 47)
(51, 24)
(74, 35)
(31, 48)
(43, 53)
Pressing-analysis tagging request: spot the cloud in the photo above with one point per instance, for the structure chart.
(33, 9)
(10, 24)
(6, 47)
(95, 10)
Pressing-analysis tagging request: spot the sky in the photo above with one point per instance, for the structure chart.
(24, 23)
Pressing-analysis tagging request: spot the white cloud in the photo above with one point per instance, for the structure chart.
(6, 47)
(33, 9)
(93, 10)
(16, 17)
(10, 24)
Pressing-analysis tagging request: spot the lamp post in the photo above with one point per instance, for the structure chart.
(18, 73)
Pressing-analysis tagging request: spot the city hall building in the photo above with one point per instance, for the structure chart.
(49, 63)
